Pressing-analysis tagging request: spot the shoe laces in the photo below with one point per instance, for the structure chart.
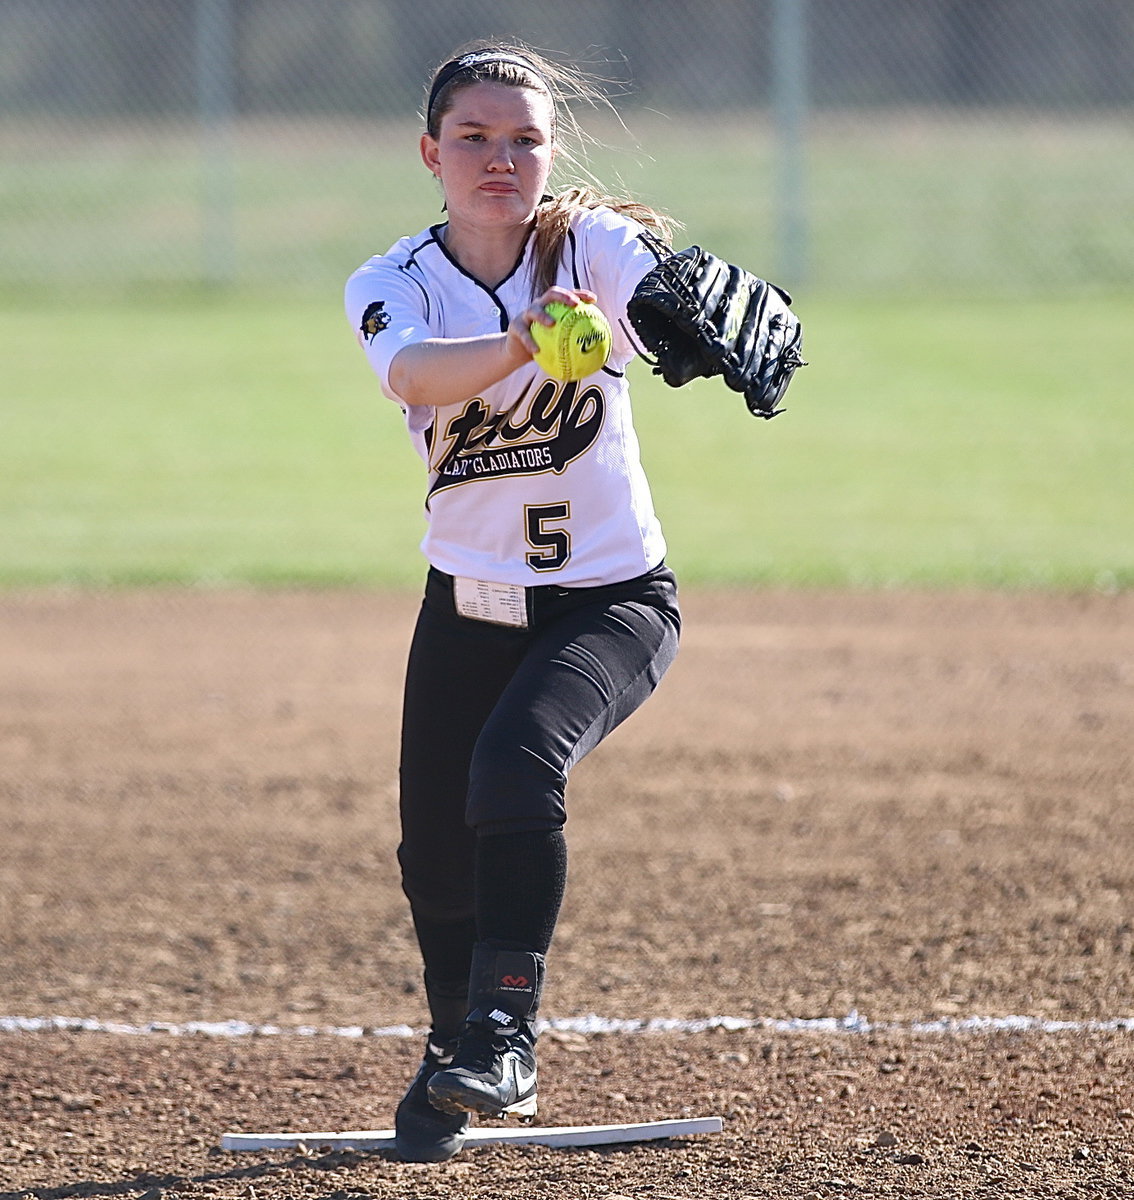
(486, 1036)
(481, 1047)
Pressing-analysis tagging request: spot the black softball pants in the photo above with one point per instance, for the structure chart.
(493, 720)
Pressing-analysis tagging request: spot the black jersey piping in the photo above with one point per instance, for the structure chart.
(660, 250)
(411, 261)
(574, 259)
(420, 287)
(405, 269)
(435, 232)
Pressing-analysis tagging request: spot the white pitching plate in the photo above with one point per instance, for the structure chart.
(554, 1135)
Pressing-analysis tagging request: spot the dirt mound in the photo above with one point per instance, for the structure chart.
(911, 807)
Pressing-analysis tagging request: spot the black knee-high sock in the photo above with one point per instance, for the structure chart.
(520, 880)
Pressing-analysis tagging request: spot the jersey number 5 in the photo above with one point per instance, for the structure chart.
(552, 547)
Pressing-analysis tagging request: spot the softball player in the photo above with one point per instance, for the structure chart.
(549, 614)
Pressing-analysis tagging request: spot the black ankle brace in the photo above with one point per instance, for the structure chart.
(506, 980)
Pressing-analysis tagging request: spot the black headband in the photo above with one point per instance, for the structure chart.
(476, 58)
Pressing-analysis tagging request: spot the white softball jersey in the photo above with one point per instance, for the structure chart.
(532, 481)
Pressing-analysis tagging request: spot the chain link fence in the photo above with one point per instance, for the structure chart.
(898, 145)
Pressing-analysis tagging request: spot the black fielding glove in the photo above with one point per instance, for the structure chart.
(699, 316)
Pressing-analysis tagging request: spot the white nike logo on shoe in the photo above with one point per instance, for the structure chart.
(522, 1076)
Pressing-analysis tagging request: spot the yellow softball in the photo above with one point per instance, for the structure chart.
(577, 345)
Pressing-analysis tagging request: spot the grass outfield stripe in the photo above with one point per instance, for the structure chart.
(932, 442)
(852, 1023)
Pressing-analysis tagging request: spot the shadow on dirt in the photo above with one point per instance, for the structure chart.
(149, 1185)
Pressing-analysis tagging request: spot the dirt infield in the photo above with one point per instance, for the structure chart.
(913, 808)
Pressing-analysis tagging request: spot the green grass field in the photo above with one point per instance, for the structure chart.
(244, 441)
(911, 202)
(966, 419)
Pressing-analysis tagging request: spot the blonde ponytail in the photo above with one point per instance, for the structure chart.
(553, 219)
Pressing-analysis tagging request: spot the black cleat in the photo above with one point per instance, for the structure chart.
(493, 1071)
(421, 1132)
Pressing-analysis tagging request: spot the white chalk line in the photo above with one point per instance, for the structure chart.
(852, 1023)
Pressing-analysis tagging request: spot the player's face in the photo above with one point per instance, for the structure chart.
(493, 154)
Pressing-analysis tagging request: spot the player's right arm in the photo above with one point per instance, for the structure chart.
(390, 312)
(441, 371)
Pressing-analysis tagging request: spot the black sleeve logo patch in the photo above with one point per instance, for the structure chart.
(375, 319)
